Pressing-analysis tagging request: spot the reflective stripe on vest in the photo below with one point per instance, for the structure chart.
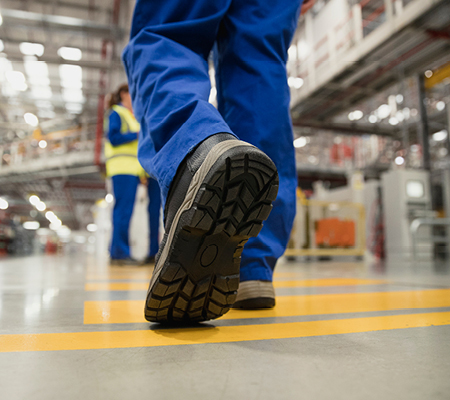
(122, 159)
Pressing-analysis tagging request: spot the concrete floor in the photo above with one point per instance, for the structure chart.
(72, 328)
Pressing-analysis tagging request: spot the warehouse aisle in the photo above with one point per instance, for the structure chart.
(73, 327)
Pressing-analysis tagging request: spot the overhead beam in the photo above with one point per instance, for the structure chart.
(14, 17)
(348, 129)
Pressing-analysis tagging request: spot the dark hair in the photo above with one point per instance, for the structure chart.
(116, 96)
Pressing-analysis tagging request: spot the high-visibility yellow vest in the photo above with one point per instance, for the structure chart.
(122, 159)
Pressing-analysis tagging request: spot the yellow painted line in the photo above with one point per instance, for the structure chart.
(328, 282)
(139, 274)
(132, 311)
(209, 334)
(132, 286)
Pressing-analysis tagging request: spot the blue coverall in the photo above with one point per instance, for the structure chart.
(124, 189)
(166, 62)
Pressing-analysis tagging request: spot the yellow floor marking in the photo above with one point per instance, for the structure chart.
(211, 334)
(141, 274)
(328, 282)
(132, 311)
(132, 286)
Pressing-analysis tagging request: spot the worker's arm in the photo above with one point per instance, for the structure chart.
(307, 4)
(115, 137)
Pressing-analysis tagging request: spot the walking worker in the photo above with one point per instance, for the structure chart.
(122, 165)
(217, 168)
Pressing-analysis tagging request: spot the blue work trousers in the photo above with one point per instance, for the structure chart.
(166, 62)
(125, 188)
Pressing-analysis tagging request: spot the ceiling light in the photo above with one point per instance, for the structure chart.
(72, 84)
(31, 225)
(1, 20)
(17, 80)
(3, 204)
(373, 119)
(383, 111)
(440, 136)
(42, 144)
(440, 105)
(300, 142)
(292, 53)
(400, 116)
(351, 116)
(41, 206)
(50, 215)
(393, 121)
(2, 46)
(73, 95)
(70, 53)
(31, 119)
(296, 83)
(31, 49)
(55, 225)
(109, 198)
(35, 68)
(70, 72)
(399, 160)
(39, 80)
(92, 228)
(429, 73)
(399, 99)
(357, 115)
(34, 200)
(41, 92)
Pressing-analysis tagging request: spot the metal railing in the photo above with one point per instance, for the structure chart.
(71, 146)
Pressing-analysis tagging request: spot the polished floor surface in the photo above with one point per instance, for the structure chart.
(73, 328)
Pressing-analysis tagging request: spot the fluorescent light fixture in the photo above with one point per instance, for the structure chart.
(373, 119)
(440, 105)
(31, 119)
(41, 92)
(92, 228)
(35, 68)
(383, 111)
(31, 225)
(70, 53)
(357, 115)
(41, 206)
(73, 95)
(17, 80)
(3, 204)
(300, 142)
(72, 84)
(292, 53)
(399, 160)
(34, 200)
(1, 20)
(440, 136)
(2, 46)
(415, 189)
(50, 215)
(109, 198)
(69, 72)
(296, 83)
(55, 225)
(42, 144)
(393, 121)
(38, 80)
(31, 49)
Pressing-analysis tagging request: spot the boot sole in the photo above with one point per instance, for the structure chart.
(197, 274)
